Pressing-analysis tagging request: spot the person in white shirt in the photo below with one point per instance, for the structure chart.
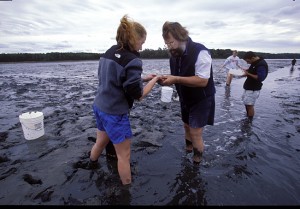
(231, 63)
(192, 74)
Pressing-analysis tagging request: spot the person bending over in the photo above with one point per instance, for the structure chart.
(255, 75)
(192, 75)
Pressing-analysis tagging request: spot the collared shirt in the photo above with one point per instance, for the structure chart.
(203, 64)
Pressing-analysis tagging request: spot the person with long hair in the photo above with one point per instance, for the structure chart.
(120, 84)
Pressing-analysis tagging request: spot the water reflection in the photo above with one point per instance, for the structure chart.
(227, 92)
(245, 133)
(226, 102)
(190, 189)
(246, 126)
(291, 70)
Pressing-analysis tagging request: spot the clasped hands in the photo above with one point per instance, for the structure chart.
(163, 80)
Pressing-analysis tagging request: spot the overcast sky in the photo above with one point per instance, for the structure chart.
(40, 26)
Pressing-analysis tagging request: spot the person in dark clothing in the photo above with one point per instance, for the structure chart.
(120, 84)
(294, 62)
(192, 75)
(256, 74)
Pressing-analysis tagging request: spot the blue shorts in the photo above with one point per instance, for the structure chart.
(117, 127)
(199, 114)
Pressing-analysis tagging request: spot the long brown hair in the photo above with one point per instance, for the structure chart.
(129, 32)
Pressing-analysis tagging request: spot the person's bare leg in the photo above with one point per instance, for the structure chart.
(101, 142)
(250, 111)
(198, 145)
(123, 155)
(229, 79)
(188, 142)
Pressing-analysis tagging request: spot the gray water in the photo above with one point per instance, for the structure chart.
(256, 163)
(244, 163)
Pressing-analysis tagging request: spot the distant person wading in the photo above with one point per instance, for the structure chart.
(293, 65)
(231, 63)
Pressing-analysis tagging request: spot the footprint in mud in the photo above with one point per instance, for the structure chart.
(3, 136)
(72, 201)
(30, 180)
(3, 159)
(45, 195)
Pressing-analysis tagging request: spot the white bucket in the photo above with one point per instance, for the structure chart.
(32, 124)
(166, 94)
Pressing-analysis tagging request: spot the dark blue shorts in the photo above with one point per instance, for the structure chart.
(117, 127)
(199, 114)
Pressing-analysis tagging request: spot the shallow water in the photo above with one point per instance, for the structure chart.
(244, 163)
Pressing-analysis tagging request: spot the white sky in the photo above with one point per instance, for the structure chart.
(40, 26)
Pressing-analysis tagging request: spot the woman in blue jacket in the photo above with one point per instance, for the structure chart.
(120, 83)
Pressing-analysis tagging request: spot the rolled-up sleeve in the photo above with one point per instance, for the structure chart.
(203, 64)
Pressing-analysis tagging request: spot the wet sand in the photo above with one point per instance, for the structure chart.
(234, 171)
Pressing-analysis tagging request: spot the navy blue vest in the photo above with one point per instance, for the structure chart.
(185, 66)
(251, 83)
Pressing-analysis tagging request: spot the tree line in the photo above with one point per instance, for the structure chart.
(145, 54)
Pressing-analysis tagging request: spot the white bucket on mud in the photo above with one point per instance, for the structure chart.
(32, 124)
(166, 94)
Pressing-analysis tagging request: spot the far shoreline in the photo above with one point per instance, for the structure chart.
(52, 61)
(144, 54)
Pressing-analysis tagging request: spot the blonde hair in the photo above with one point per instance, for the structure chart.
(129, 32)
